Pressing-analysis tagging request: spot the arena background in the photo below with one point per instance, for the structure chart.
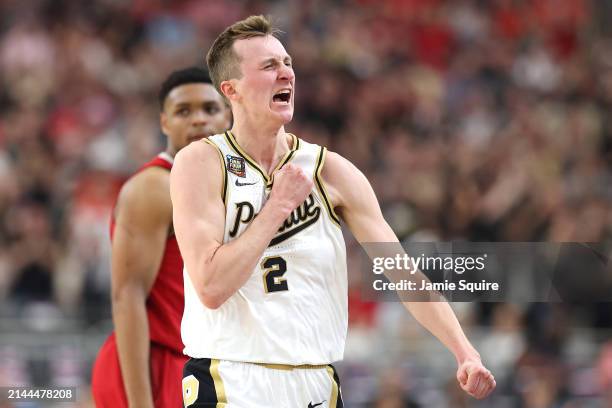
(474, 120)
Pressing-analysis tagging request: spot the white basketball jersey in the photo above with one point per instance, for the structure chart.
(293, 308)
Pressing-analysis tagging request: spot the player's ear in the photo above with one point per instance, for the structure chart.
(163, 122)
(228, 88)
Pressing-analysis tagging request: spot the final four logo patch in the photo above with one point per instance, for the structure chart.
(236, 165)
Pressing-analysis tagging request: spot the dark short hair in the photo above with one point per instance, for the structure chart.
(191, 75)
(222, 61)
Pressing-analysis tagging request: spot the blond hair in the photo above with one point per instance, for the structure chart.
(222, 61)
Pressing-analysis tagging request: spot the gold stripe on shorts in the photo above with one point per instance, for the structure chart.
(219, 388)
(289, 367)
(333, 399)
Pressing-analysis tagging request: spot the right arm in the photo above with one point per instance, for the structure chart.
(218, 270)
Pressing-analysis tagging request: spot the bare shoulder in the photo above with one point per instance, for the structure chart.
(197, 167)
(341, 177)
(200, 153)
(337, 166)
(146, 196)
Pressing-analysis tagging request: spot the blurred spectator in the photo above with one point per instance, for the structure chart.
(474, 120)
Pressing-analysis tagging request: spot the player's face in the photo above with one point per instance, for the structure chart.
(266, 88)
(192, 112)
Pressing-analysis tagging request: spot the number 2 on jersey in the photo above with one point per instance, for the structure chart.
(274, 268)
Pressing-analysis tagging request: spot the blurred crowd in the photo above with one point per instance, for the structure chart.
(474, 120)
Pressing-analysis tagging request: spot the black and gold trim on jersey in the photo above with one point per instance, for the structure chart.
(223, 171)
(295, 145)
(321, 187)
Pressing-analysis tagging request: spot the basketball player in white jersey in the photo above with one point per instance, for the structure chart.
(256, 215)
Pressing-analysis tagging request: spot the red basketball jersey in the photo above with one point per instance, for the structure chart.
(165, 303)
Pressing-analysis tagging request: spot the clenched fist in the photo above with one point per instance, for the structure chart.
(291, 187)
(475, 379)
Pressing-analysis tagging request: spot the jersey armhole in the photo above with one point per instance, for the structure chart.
(223, 171)
(318, 180)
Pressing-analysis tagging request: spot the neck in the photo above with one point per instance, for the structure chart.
(265, 145)
(171, 151)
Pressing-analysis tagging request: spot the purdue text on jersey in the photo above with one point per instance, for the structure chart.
(302, 217)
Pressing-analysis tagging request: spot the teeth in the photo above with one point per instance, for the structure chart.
(283, 92)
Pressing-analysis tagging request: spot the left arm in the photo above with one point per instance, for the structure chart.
(355, 201)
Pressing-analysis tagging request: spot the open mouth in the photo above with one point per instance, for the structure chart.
(282, 97)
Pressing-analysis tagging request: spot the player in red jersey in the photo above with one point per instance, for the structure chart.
(141, 363)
